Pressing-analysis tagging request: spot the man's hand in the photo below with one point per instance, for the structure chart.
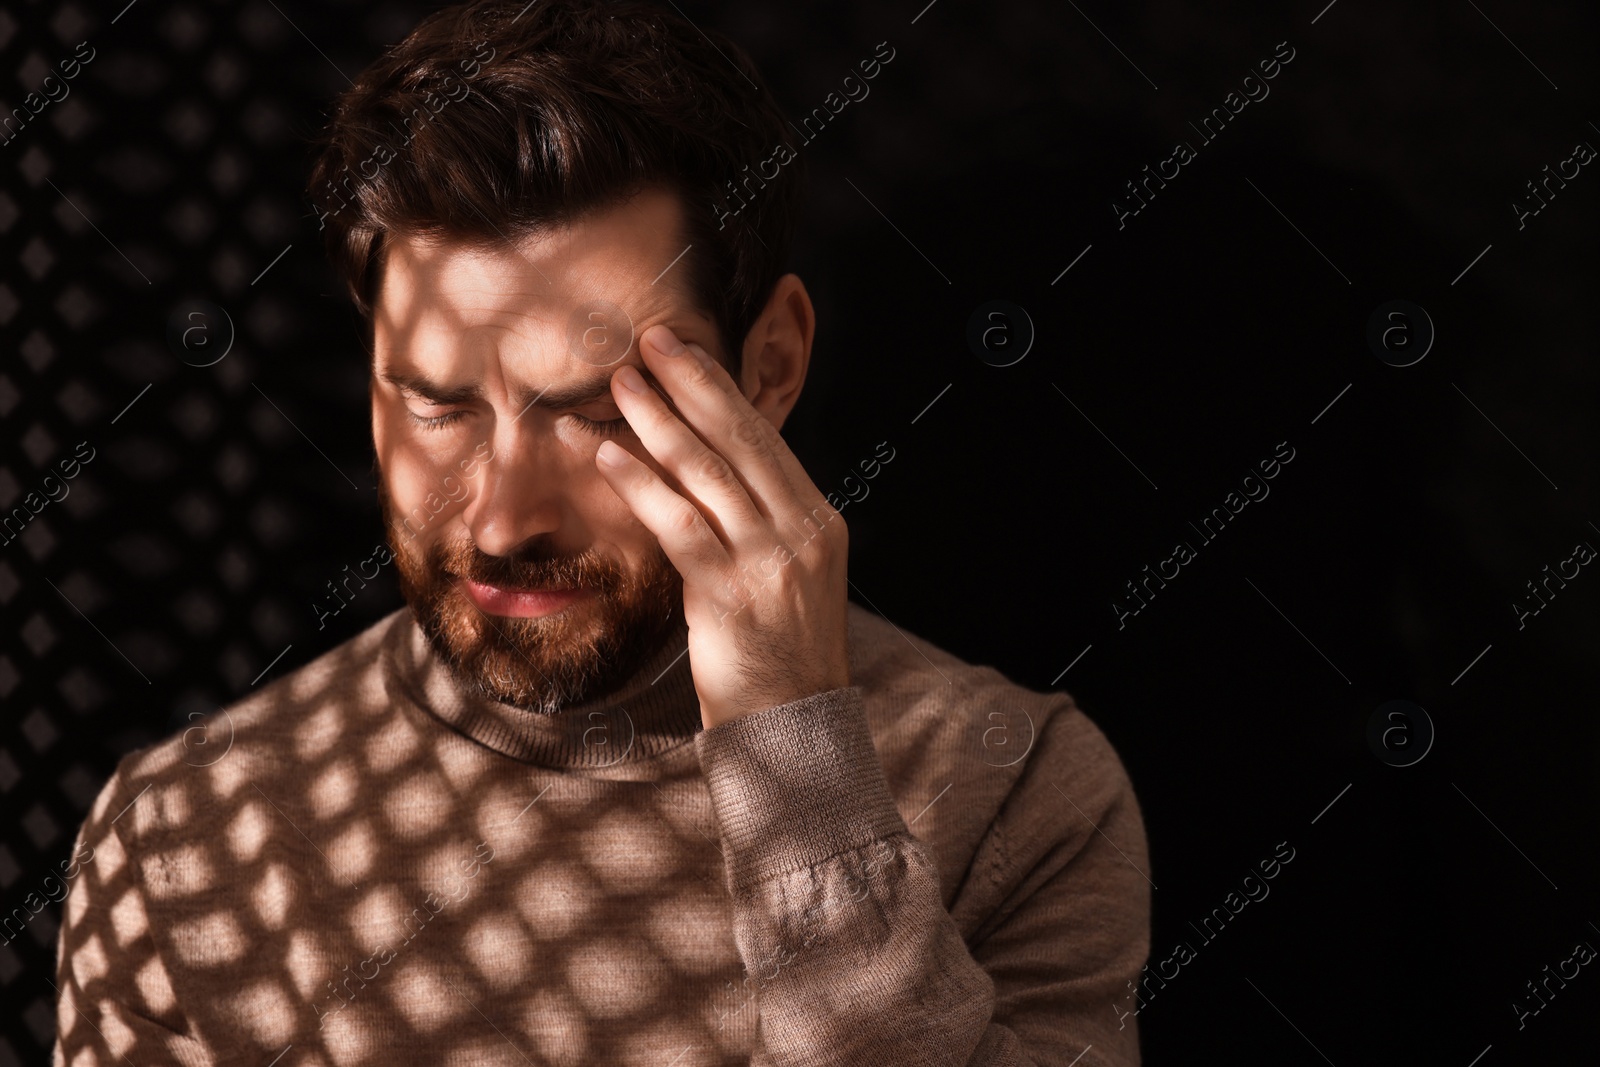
(761, 551)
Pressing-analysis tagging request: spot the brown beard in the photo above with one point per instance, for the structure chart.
(539, 664)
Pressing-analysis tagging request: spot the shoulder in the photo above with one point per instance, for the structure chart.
(182, 784)
(927, 703)
(1010, 756)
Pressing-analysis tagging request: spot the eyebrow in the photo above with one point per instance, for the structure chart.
(582, 392)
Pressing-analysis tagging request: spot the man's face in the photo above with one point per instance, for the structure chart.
(490, 394)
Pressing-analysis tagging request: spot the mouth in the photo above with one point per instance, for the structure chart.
(520, 603)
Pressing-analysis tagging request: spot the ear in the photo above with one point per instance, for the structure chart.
(777, 350)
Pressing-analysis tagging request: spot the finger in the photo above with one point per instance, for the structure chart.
(711, 403)
(702, 474)
(690, 543)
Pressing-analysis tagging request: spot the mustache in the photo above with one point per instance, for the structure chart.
(528, 568)
(532, 566)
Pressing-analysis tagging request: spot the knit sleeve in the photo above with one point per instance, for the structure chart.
(116, 1002)
(838, 915)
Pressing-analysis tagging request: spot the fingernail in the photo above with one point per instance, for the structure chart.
(632, 380)
(611, 454)
(674, 348)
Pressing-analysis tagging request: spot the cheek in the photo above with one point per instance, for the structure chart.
(413, 472)
(394, 433)
(416, 463)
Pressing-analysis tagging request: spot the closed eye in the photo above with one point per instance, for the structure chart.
(595, 427)
(435, 422)
(598, 427)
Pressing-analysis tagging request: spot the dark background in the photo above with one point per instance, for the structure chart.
(1223, 319)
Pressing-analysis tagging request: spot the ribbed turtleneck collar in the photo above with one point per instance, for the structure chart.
(657, 710)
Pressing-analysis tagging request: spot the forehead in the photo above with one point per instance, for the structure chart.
(624, 263)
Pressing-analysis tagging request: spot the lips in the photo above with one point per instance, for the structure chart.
(520, 603)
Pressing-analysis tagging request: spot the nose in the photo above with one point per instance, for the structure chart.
(521, 492)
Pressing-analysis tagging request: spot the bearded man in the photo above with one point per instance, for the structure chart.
(629, 779)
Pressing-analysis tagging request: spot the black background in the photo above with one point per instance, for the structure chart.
(1221, 320)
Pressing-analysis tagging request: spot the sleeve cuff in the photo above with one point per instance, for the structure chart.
(795, 784)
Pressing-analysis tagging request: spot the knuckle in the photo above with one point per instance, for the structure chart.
(711, 469)
(698, 375)
(662, 420)
(750, 434)
(841, 530)
(684, 519)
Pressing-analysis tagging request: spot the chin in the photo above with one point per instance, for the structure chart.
(579, 653)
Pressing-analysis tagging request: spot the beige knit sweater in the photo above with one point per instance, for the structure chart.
(364, 864)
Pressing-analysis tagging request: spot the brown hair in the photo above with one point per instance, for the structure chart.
(495, 118)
